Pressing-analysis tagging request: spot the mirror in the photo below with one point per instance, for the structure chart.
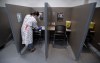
(60, 16)
(41, 15)
(19, 17)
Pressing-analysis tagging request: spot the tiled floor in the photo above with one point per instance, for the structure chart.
(10, 55)
(87, 56)
(56, 55)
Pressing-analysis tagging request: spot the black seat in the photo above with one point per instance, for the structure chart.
(60, 35)
(60, 29)
(36, 36)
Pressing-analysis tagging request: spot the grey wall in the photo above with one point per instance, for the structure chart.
(15, 25)
(50, 15)
(40, 9)
(53, 14)
(96, 19)
(66, 12)
(4, 26)
(81, 16)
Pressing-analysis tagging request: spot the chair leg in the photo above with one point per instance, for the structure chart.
(54, 41)
(65, 38)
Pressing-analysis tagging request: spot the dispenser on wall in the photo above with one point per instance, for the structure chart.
(60, 16)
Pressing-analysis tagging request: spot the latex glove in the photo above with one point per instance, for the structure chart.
(40, 28)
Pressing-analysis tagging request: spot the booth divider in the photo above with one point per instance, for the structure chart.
(12, 11)
(5, 31)
(46, 29)
(81, 17)
(96, 38)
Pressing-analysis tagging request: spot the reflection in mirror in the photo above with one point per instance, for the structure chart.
(19, 17)
(60, 16)
(41, 15)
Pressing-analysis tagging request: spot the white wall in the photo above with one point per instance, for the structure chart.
(40, 3)
(53, 3)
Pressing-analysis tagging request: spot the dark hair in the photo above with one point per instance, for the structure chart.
(35, 13)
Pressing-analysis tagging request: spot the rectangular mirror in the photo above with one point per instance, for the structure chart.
(60, 16)
(41, 15)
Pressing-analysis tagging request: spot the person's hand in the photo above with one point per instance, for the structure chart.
(40, 28)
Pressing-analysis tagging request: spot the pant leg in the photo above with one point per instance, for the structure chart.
(30, 46)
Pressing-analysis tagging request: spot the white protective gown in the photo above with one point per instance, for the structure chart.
(26, 29)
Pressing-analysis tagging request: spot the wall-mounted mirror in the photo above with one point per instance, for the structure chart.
(19, 17)
(60, 16)
(41, 15)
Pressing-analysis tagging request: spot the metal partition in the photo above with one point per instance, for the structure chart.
(96, 38)
(5, 30)
(81, 17)
(12, 11)
(46, 29)
(48, 18)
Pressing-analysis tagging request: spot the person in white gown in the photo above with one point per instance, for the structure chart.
(26, 29)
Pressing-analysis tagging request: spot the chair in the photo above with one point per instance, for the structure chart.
(36, 36)
(60, 35)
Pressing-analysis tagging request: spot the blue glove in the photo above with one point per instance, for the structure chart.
(40, 28)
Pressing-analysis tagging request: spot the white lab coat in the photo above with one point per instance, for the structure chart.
(26, 29)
